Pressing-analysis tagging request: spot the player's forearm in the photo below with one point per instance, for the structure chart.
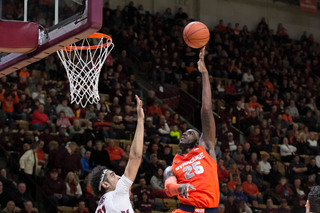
(137, 143)
(206, 93)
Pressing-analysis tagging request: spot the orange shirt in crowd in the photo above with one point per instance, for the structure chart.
(24, 73)
(40, 155)
(115, 153)
(250, 188)
(254, 105)
(153, 110)
(7, 105)
(232, 184)
(287, 118)
(223, 174)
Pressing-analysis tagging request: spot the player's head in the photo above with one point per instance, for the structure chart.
(103, 180)
(189, 139)
(313, 202)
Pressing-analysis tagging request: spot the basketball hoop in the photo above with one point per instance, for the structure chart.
(83, 64)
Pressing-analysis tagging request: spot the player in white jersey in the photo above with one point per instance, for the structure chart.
(113, 189)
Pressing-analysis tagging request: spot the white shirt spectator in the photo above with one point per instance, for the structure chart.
(265, 167)
(287, 150)
(247, 77)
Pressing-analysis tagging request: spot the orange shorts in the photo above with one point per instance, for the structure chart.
(179, 211)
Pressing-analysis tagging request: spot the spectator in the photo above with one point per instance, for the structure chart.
(55, 190)
(63, 120)
(8, 100)
(81, 207)
(90, 113)
(230, 205)
(62, 136)
(115, 152)
(239, 195)
(86, 169)
(233, 182)
(157, 183)
(244, 207)
(39, 119)
(65, 108)
(287, 151)
(5, 197)
(269, 207)
(20, 196)
(223, 193)
(40, 154)
(53, 151)
(8, 184)
(297, 169)
(99, 156)
(11, 208)
(28, 208)
(76, 131)
(68, 160)
(230, 144)
(264, 164)
(73, 189)
(50, 109)
(145, 204)
(284, 208)
(283, 189)
(251, 189)
(223, 174)
(87, 147)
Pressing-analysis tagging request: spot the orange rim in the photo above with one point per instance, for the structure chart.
(94, 35)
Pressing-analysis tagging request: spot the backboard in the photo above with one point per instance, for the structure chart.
(61, 23)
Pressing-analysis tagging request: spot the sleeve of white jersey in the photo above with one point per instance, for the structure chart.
(123, 185)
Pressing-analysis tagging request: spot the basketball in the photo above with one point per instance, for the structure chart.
(196, 34)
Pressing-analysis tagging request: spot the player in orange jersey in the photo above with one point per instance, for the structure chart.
(193, 175)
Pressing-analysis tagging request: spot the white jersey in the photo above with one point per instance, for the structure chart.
(117, 201)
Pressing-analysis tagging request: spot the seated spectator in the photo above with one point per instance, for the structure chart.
(53, 151)
(55, 190)
(90, 113)
(155, 111)
(297, 188)
(297, 169)
(293, 111)
(103, 128)
(28, 208)
(313, 143)
(99, 156)
(223, 174)
(68, 160)
(40, 154)
(283, 190)
(227, 160)
(115, 152)
(233, 182)
(163, 130)
(253, 104)
(145, 204)
(157, 183)
(50, 109)
(21, 195)
(287, 151)
(251, 189)
(284, 208)
(287, 117)
(264, 164)
(62, 136)
(253, 162)
(221, 208)
(11, 208)
(129, 118)
(167, 155)
(310, 183)
(5, 197)
(79, 113)
(63, 106)
(87, 147)
(46, 136)
(255, 206)
(81, 207)
(63, 120)
(230, 143)
(239, 195)
(230, 205)
(86, 169)
(73, 189)
(39, 119)
(117, 122)
(76, 131)
(313, 169)
(244, 207)
(8, 184)
(269, 207)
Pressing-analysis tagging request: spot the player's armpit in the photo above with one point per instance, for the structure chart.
(168, 172)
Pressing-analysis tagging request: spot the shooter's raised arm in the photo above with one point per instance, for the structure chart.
(207, 139)
(136, 150)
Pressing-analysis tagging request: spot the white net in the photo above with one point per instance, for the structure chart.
(83, 64)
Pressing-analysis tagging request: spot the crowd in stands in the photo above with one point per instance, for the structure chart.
(265, 87)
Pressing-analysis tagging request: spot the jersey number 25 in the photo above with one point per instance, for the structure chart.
(194, 168)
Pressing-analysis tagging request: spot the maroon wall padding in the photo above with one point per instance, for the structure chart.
(18, 36)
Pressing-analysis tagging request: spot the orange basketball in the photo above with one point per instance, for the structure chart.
(196, 34)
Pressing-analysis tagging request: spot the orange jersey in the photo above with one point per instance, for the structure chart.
(200, 170)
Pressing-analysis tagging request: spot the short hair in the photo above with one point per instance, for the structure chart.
(314, 199)
(95, 179)
(197, 130)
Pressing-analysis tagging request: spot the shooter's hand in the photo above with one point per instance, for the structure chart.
(201, 65)
(140, 112)
(184, 188)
